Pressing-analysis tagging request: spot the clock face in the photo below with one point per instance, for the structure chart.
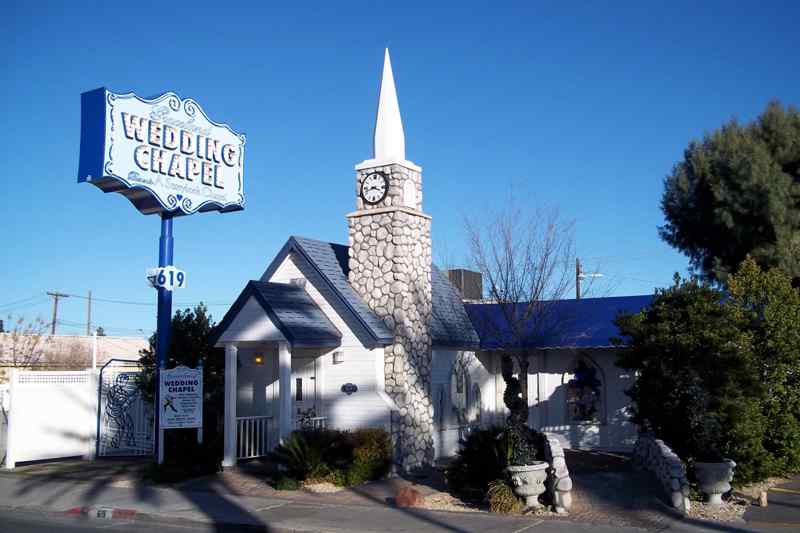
(374, 187)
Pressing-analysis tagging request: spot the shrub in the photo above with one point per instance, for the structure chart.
(502, 499)
(482, 458)
(339, 457)
(485, 453)
(287, 483)
(184, 458)
(372, 455)
(697, 354)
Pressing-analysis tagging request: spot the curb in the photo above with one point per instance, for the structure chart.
(101, 513)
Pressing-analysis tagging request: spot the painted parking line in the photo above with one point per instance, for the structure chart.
(787, 491)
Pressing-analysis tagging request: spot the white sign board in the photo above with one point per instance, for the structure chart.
(168, 277)
(164, 154)
(181, 398)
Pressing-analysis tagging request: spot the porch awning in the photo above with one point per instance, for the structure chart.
(291, 310)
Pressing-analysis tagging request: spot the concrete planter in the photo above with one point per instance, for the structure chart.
(714, 479)
(528, 481)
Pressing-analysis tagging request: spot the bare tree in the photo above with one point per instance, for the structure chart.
(71, 355)
(527, 260)
(25, 345)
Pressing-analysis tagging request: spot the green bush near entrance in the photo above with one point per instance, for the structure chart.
(344, 458)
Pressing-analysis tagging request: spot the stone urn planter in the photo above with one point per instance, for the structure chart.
(714, 479)
(529, 482)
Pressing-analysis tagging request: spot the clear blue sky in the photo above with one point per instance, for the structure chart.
(585, 106)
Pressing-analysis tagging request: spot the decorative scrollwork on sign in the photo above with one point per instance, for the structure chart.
(190, 107)
(172, 201)
(174, 103)
(186, 203)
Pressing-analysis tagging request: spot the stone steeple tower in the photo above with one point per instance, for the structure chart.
(390, 267)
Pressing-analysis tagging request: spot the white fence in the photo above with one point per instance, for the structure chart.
(51, 415)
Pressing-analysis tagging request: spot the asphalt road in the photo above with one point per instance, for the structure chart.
(28, 522)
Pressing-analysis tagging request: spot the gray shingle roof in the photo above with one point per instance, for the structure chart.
(451, 325)
(325, 265)
(292, 311)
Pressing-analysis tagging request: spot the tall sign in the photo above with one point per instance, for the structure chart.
(164, 154)
(168, 158)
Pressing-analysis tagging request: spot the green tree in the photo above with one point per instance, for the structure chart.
(697, 384)
(189, 345)
(771, 306)
(736, 193)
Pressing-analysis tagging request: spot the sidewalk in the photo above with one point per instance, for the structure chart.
(175, 505)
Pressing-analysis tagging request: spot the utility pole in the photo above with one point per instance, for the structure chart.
(579, 275)
(56, 295)
(89, 315)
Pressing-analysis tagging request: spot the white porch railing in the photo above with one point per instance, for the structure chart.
(253, 436)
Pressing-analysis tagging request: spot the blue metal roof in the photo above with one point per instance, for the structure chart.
(292, 311)
(585, 323)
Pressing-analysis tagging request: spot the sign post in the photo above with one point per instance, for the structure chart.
(164, 323)
(168, 158)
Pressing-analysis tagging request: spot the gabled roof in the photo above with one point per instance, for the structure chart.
(292, 311)
(585, 323)
(451, 325)
(325, 265)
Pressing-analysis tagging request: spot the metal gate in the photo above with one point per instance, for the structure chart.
(125, 420)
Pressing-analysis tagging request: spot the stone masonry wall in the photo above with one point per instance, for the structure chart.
(398, 176)
(652, 454)
(390, 267)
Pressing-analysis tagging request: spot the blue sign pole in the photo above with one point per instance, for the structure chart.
(165, 250)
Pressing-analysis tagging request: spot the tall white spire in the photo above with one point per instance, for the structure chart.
(389, 142)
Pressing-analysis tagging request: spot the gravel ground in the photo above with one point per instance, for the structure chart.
(733, 509)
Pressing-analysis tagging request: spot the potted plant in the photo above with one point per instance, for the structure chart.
(713, 472)
(527, 472)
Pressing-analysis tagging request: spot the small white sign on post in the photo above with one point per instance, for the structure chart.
(168, 277)
(181, 398)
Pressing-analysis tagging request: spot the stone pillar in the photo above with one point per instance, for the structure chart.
(231, 384)
(390, 267)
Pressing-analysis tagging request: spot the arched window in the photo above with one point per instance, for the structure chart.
(585, 392)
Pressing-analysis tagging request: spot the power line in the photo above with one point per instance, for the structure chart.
(130, 302)
(22, 301)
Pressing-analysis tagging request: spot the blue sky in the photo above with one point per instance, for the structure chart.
(584, 106)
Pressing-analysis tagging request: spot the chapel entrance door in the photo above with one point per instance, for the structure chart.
(304, 391)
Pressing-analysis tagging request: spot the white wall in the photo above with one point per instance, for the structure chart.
(550, 373)
(369, 406)
(251, 325)
(447, 428)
